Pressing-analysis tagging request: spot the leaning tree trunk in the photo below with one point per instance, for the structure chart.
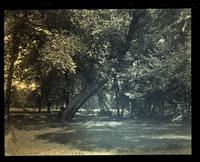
(80, 99)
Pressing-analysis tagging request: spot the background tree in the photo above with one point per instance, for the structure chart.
(138, 59)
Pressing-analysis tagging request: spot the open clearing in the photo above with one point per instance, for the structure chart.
(43, 134)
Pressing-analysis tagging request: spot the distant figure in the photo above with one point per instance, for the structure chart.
(62, 109)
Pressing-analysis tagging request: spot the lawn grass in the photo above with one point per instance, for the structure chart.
(42, 134)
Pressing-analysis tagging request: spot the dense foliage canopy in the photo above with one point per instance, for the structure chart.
(51, 56)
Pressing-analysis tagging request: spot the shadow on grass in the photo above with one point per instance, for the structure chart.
(93, 140)
(29, 121)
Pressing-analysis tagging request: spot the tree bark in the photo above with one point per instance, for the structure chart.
(116, 87)
(13, 58)
(132, 107)
(49, 107)
(101, 101)
(41, 97)
(8, 88)
(40, 104)
(80, 99)
(105, 105)
(132, 28)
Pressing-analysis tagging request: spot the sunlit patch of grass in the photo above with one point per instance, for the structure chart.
(167, 136)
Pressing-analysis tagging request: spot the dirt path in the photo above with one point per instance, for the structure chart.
(45, 135)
